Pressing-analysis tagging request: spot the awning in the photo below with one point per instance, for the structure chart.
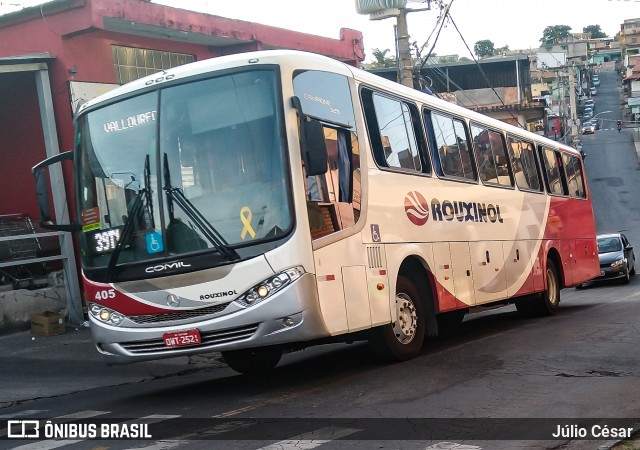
(25, 63)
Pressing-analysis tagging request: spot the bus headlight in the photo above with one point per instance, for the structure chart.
(270, 286)
(617, 263)
(105, 315)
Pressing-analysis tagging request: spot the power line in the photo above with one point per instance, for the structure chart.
(443, 17)
(446, 78)
(482, 72)
(419, 51)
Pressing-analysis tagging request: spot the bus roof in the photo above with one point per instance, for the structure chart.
(318, 62)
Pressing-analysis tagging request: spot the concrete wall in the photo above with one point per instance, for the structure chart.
(16, 306)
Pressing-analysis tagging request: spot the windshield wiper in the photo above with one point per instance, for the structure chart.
(143, 196)
(175, 195)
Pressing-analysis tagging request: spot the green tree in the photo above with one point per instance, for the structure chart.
(483, 48)
(381, 59)
(554, 33)
(595, 31)
(501, 50)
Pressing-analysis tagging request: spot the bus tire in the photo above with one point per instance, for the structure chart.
(402, 339)
(546, 303)
(550, 298)
(450, 322)
(253, 360)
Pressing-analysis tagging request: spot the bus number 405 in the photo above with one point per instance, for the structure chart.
(105, 294)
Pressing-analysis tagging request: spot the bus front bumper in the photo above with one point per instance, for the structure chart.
(292, 315)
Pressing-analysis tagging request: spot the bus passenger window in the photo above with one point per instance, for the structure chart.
(525, 169)
(395, 125)
(552, 169)
(491, 154)
(453, 149)
(573, 170)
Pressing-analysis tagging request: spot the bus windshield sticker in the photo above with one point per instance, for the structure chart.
(245, 217)
(90, 219)
(154, 242)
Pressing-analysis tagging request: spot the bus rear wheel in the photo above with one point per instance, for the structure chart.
(547, 302)
(253, 360)
(402, 339)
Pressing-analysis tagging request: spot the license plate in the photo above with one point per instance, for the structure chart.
(181, 338)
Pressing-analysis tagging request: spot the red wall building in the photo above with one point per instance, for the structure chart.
(56, 55)
(69, 41)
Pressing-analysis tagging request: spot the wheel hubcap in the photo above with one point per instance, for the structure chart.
(406, 323)
(552, 287)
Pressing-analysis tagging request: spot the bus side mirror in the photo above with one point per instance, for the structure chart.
(314, 148)
(43, 191)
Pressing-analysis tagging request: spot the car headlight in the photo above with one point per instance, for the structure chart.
(270, 286)
(617, 263)
(105, 315)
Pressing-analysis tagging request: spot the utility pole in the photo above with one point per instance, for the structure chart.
(405, 65)
(561, 104)
(395, 8)
(574, 105)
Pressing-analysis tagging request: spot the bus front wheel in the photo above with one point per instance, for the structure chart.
(402, 339)
(253, 360)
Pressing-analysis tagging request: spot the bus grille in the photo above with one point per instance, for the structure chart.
(208, 339)
(375, 258)
(179, 315)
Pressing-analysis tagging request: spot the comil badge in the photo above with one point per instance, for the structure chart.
(416, 208)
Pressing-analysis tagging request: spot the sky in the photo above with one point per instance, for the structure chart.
(516, 23)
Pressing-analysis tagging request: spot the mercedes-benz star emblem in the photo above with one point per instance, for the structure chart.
(173, 300)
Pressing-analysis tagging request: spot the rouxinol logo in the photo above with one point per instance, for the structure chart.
(465, 211)
(416, 208)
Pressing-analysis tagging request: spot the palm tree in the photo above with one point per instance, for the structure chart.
(381, 58)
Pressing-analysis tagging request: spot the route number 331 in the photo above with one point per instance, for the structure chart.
(105, 294)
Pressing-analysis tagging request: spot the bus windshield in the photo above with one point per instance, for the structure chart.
(191, 168)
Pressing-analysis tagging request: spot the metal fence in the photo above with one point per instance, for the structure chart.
(27, 254)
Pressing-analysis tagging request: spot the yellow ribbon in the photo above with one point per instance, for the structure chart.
(245, 217)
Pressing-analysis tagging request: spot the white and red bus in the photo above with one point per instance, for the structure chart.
(259, 202)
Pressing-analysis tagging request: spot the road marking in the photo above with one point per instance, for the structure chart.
(81, 415)
(27, 412)
(236, 411)
(188, 438)
(311, 439)
(452, 446)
